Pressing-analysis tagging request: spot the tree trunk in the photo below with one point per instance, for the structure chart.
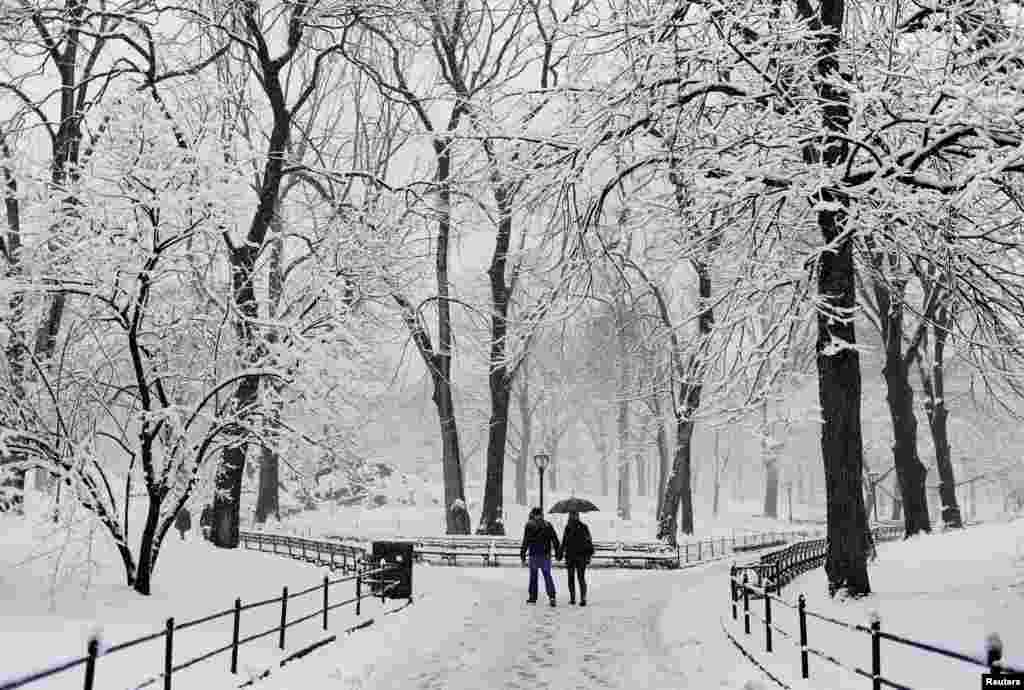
(839, 377)
(641, 475)
(677, 499)
(499, 379)
(12, 488)
(771, 467)
(269, 487)
(268, 495)
(935, 408)
(910, 470)
(227, 500)
(552, 471)
(897, 505)
(663, 456)
(148, 548)
(622, 458)
(525, 436)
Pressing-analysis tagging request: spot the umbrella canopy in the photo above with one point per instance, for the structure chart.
(573, 505)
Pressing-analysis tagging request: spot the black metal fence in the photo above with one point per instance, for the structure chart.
(803, 557)
(775, 569)
(91, 662)
(331, 554)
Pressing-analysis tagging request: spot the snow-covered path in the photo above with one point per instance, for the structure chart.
(640, 630)
(613, 643)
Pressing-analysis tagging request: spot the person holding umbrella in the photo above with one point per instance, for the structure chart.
(577, 546)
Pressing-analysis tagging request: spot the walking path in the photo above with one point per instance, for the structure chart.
(641, 630)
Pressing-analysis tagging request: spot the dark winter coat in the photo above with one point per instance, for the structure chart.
(183, 520)
(206, 517)
(539, 539)
(576, 542)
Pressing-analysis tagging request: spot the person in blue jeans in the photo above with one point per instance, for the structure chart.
(539, 542)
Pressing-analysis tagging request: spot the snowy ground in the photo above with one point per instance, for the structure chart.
(471, 628)
(49, 611)
(950, 590)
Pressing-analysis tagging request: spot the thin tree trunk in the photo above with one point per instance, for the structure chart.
(13, 487)
(622, 456)
(910, 471)
(457, 514)
(641, 475)
(552, 471)
(227, 499)
(525, 436)
(771, 467)
(938, 415)
(499, 379)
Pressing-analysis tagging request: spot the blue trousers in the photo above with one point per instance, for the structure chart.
(544, 565)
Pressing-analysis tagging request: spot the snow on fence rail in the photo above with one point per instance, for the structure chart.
(618, 553)
(96, 651)
(781, 567)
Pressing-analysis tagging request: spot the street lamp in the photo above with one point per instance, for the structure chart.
(541, 460)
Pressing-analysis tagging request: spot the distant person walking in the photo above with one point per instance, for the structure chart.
(577, 548)
(206, 521)
(183, 521)
(539, 542)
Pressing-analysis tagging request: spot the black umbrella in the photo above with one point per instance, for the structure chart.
(573, 505)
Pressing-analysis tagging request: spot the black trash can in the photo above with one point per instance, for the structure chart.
(399, 555)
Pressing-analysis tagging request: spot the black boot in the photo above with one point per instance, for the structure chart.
(583, 602)
(552, 602)
(531, 600)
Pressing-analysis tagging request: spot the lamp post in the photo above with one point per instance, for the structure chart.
(541, 460)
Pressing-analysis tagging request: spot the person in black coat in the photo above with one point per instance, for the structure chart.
(183, 521)
(577, 548)
(539, 542)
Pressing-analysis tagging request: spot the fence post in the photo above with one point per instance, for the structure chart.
(994, 653)
(359, 589)
(746, 605)
(679, 560)
(876, 653)
(236, 627)
(380, 567)
(326, 582)
(284, 617)
(801, 607)
(767, 621)
(93, 651)
(168, 653)
(732, 590)
(700, 556)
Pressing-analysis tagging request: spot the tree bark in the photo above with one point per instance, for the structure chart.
(910, 471)
(641, 475)
(499, 379)
(838, 362)
(12, 489)
(268, 496)
(771, 467)
(457, 515)
(526, 435)
(623, 507)
(268, 491)
(938, 415)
